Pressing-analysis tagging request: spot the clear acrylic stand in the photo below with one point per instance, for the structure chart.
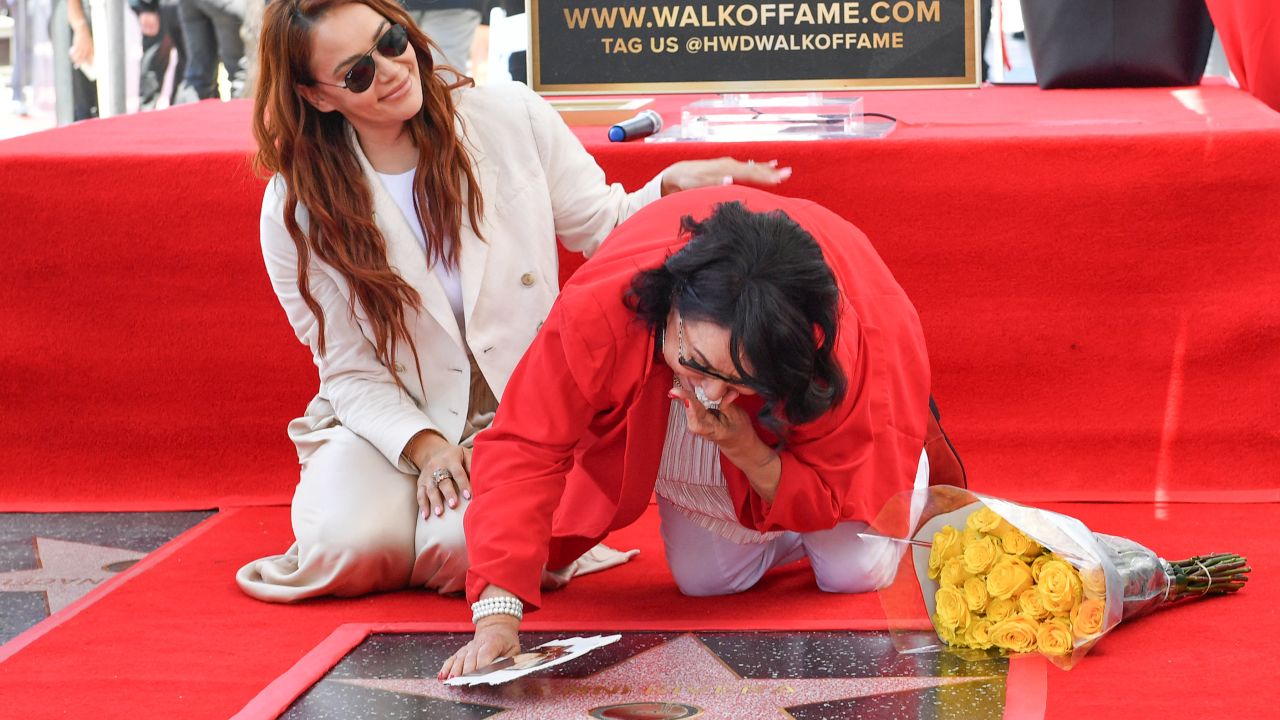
(742, 117)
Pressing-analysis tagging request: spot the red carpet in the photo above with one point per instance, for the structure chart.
(181, 640)
(178, 640)
(1096, 273)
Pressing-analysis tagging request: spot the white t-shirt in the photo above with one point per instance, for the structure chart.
(401, 189)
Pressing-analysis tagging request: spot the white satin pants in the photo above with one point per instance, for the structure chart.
(358, 529)
(705, 563)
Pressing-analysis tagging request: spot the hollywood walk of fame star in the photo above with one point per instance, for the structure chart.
(680, 671)
(68, 570)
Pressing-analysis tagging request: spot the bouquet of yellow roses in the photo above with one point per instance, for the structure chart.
(993, 574)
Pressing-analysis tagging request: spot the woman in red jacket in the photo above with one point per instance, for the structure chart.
(748, 355)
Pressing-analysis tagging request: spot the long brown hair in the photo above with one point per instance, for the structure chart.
(311, 152)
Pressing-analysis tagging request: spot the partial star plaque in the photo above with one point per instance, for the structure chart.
(669, 676)
(50, 560)
(68, 570)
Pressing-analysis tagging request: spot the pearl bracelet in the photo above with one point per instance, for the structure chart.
(500, 605)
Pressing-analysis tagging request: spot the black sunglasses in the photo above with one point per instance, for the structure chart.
(392, 44)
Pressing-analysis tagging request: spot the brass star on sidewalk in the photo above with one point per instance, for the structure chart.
(682, 671)
(68, 570)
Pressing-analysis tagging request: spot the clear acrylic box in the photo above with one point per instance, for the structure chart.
(743, 117)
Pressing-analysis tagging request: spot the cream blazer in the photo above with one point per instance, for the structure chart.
(538, 183)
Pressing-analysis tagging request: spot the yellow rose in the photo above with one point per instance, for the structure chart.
(1015, 542)
(945, 634)
(1054, 637)
(1039, 562)
(1087, 618)
(951, 611)
(985, 521)
(1017, 633)
(979, 634)
(980, 555)
(971, 535)
(946, 545)
(1030, 605)
(1008, 577)
(1001, 608)
(1094, 582)
(954, 573)
(975, 594)
(1059, 587)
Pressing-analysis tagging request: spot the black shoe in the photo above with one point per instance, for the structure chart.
(945, 467)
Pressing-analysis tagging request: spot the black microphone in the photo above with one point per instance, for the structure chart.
(644, 124)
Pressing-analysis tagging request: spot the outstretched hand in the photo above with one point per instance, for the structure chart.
(496, 636)
(689, 174)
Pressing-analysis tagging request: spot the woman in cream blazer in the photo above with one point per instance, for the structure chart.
(384, 449)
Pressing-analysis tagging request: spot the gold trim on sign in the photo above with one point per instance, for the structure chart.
(972, 39)
(947, 83)
(533, 71)
(533, 63)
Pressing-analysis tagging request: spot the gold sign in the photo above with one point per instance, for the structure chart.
(612, 46)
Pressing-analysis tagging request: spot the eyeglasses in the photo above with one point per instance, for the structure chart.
(696, 366)
(392, 44)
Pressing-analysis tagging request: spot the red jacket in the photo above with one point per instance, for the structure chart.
(573, 453)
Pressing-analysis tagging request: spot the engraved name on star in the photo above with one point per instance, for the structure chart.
(68, 570)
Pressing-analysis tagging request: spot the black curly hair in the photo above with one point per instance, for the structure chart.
(763, 278)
